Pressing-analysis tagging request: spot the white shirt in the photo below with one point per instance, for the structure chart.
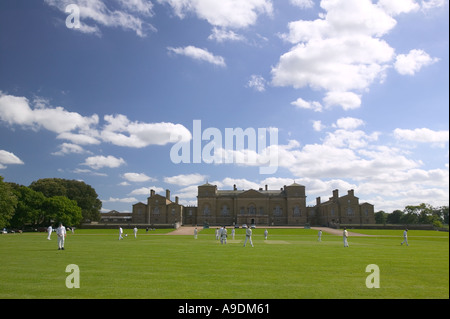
(120, 230)
(61, 231)
(345, 233)
(405, 234)
(248, 232)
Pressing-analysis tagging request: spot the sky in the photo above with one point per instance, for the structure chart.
(133, 95)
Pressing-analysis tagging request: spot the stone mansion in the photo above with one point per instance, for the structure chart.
(262, 207)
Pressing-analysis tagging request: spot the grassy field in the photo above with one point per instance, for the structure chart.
(291, 264)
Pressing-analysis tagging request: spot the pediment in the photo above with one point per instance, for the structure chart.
(251, 193)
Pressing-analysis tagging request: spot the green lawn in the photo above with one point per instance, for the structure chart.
(290, 264)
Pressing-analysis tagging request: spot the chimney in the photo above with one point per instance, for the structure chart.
(234, 187)
(152, 193)
(351, 193)
(335, 193)
(167, 194)
(266, 186)
(317, 201)
(176, 199)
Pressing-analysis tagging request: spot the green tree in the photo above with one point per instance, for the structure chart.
(85, 196)
(60, 209)
(30, 208)
(394, 217)
(380, 217)
(8, 202)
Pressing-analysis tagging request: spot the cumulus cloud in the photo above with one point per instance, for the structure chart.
(185, 179)
(97, 162)
(409, 64)
(16, 110)
(198, 54)
(342, 52)
(310, 105)
(8, 158)
(257, 82)
(69, 148)
(120, 131)
(224, 13)
(422, 135)
(137, 177)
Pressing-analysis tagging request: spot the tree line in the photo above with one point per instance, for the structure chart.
(418, 214)
(47, 201)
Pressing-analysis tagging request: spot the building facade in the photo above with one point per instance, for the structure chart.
(286, 206)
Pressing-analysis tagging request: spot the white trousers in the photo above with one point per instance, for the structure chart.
(405, 240)
(345, 242)
(248, 238)
(60, 241)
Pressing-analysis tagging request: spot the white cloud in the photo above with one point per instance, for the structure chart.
(398, 6)
(198, 54)
(221, 35)
(340, 52)
(303, 3)
(120, 200)
(97, 12)
(8, 158)
(16, 110)
(97, 162)
(348, 123)
(146, 191)
(69, 148)
(257, 82)
(409, 64)
(137, 177)
(185, 179)
(122, 132)
(310, 105)
(223, 13)
(318, 126)
(347, 100)
(422, 135)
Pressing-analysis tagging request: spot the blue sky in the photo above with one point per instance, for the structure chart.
(356, 89)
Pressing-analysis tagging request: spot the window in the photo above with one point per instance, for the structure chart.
(251, 210)
(277, 211)
(206, 210)
(225, 211)
(297, 211)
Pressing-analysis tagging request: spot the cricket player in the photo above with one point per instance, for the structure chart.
(61, 233)
(135, 230)
(217, 233)
(195, 233)
(223, 236)
(405, 237)
(345, 235)
(248, 236)
(120, 233)
(232, 233)
(49, 229)
(265, 234)
(319, 235)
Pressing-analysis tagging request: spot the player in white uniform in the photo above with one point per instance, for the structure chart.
(345, 235)
(120, 233)
(248, 236)
(319, 235)
(195, 233)
(223, 235)
(265, 234)
(49, 229)
(405, 237)
(61, 233)
(135, 230)
(232, 233)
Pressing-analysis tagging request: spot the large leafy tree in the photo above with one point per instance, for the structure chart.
(84, 195)
(8, 202)
(30, 208)
(63, 210)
